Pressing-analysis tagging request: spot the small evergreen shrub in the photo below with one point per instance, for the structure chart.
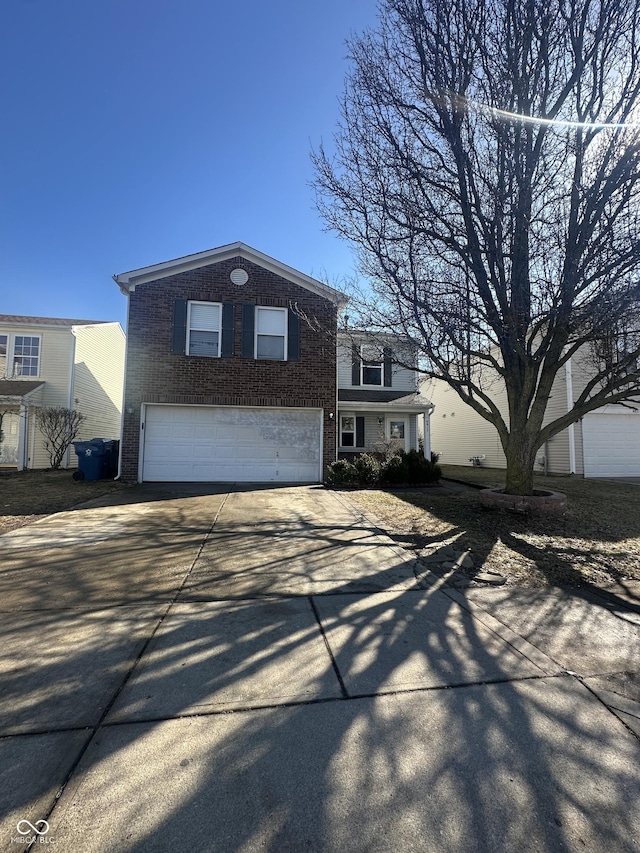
(401, 469)
(368, 470)
(342, 473)
(395, 470)
(421, 470)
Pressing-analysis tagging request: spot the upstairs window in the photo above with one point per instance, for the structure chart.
(204, 329)
(26, 355)
(371, 366)
(271, 333)
(3, 355)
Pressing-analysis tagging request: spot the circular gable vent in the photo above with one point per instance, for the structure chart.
(239, 276)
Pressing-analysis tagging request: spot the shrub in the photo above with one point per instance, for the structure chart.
(401, 469)
(395, 470)
(435, 457)
(342, 473)
(421, 470)
(412, 468)
(367, 469)
(59, 426)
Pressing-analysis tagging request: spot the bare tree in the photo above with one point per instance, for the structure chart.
(487, 171)
(59, 426)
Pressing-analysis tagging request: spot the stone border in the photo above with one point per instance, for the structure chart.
(553, 503)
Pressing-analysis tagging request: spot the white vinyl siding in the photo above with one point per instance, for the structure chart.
(458, 433)
(204, 320)
(88, 368)
(55, 371)
(98, 379)
(402, 379)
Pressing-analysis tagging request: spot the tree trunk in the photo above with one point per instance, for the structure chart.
(520, 461)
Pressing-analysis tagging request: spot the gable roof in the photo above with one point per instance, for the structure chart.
(20, 320)
(127, 281)
(18, 387)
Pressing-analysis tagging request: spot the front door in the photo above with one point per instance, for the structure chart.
(397, 429)
(9, 437)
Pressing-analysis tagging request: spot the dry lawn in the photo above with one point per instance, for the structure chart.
(597, 541)
(26, 496)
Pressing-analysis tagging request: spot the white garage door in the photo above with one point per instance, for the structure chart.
(207, 444)
(611, 444)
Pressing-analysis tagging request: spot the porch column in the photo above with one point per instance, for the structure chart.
(23, 432)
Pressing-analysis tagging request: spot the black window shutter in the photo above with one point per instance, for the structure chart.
(179, 330)
(359, 431)
(248, 327)
(228, 316)
(387, 367)
(293, 335)
(355, 365)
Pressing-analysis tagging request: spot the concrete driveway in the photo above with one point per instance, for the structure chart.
(258, 669)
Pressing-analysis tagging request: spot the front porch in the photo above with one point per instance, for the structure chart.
(18, 400)
(382, 427)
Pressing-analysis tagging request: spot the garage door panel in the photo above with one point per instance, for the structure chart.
(200, 443)
(611, 444)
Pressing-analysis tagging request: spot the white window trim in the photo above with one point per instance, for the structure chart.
(189, 330)
(11, 355)
(285, 336)
(347, 415)
(387, 428)
(7, 354)
(372, 364)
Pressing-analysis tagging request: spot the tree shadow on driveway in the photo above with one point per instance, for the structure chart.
(330, 719)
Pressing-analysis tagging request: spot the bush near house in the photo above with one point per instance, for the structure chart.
(401, 469)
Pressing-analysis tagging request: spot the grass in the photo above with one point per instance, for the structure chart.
(26, 496)
(596, 542)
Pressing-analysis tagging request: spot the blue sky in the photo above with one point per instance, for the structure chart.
(138, 131)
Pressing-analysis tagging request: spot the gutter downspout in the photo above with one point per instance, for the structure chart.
(72, 381)
(124, 383)
(570, 428)
(426, 429)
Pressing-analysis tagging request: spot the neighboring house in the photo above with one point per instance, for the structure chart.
(77, 364)
(604, 443)
(231, 370)
(379, 404)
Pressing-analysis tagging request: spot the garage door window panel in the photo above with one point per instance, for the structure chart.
(271, 333)
(204, 320)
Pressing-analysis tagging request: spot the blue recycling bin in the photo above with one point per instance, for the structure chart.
(94, 458)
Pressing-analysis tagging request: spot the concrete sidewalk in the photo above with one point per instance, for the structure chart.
(259, 669)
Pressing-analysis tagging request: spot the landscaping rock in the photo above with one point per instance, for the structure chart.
(490, 577)
(464, 560)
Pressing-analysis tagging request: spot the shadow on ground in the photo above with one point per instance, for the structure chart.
(297, 691)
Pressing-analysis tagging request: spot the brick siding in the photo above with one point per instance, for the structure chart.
(156, 375)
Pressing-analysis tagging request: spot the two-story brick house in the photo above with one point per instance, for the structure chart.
(379, 406)
(53, 361)
(231, 370)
